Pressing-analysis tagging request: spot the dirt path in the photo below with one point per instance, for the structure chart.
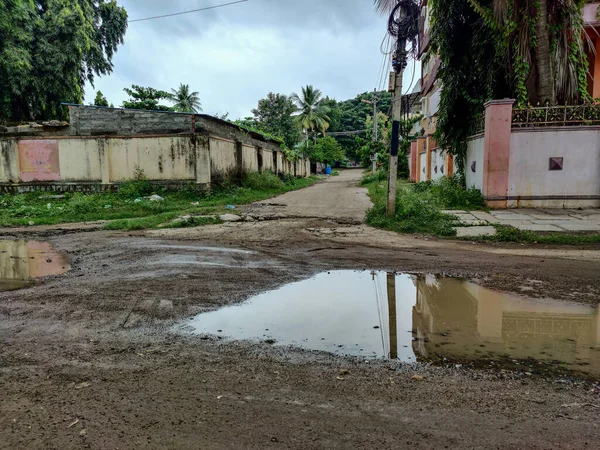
(89, 359)
(338, 198)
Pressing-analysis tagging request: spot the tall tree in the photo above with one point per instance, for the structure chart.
(100, 99)
(146, 98)
(184, 100)
(544, 41)
(312, 112)
(274, 115)
(49, 49)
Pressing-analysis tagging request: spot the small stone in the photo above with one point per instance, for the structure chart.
(230, 218)
(417, 378)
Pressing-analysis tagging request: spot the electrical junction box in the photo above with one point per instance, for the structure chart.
(392, 85)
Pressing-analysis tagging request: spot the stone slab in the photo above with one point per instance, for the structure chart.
(508, 215)
(473, 222)
(514, 223)
(453, 211)
(475, 231)
(580, 225)
(539, 227)
(482, 215)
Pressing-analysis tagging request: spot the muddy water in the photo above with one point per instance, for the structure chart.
(414, 318)
(21, 262)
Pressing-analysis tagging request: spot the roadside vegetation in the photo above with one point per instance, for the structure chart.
(418, 206)
(419, 209)
(131, 207)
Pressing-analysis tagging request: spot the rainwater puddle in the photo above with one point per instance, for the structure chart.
(23, 261)
(414, 318)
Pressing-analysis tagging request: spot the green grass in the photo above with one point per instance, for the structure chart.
(510, 234)
(415, 212)
(418, 209)
(122, 208)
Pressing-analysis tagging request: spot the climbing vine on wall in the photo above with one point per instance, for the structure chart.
(529, 50)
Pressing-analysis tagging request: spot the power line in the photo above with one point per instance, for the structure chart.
(187, 12)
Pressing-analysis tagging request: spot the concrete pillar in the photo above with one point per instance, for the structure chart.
(421, 144)
(104, 152)
(413, 161)
(428, 149)
(239, 159)
(596, 71)
(203, 169)
(496, 152)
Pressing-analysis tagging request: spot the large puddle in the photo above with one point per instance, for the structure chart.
(21, 262)
(415, 318)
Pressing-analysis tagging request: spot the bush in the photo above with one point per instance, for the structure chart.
(451, 193)
(138, 186)
(380, 175)
(262, 181)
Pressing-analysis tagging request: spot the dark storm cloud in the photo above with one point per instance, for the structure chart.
(235, 55)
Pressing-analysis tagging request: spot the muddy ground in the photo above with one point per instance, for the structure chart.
(89, 359)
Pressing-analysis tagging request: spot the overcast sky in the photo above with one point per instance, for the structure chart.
(235, 55)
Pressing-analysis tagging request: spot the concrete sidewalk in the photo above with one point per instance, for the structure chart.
(478, 223)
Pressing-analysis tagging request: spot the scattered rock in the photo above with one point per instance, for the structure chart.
(344, 372)
(417, 378)
(83, 385)
(230, 218)
(165, 307)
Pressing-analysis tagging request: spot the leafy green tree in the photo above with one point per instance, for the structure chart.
(100, 99)
(146, 98)
(312, 112)
(184, 100)
(274, 115)
(49, 49)
(326, 150)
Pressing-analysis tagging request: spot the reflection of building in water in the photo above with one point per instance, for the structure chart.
(457, 319)
(24, 260)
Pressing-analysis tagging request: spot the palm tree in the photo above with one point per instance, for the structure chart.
(184, 100)
(312, 114)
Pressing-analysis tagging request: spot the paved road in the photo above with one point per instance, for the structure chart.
(339, 198)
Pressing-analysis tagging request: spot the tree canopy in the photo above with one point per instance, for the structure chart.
(100, 99)
(312, 113)
(274, 115)
(184, 100)
(146, 98)
(49, 49)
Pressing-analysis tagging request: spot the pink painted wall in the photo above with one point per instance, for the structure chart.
(38, 160)
(496, 151)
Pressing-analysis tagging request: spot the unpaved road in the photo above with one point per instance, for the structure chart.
(88, 359)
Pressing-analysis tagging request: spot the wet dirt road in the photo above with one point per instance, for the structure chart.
(339, 198)
(89, 359)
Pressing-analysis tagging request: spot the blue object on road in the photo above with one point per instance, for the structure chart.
(328, 170)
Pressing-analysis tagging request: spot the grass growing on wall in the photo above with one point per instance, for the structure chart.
(128, 207)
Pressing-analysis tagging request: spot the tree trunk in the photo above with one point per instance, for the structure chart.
(545, 81)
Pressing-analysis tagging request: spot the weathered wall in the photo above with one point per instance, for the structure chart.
(250, 158)
(161, 158)
(79, 160)
(222, 157)
(576, 185)
(9, 161)
(474, 162)
(106, 146)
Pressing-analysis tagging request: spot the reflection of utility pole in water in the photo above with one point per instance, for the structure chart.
(391, 293)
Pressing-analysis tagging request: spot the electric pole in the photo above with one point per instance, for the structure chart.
(403, 24)
(374, 137)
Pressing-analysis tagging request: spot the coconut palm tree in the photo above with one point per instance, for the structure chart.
(184, 100)
(312, 113)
